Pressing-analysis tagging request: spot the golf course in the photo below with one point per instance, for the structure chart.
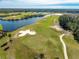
(40, 40)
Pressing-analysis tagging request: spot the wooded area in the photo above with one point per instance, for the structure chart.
(71, 23)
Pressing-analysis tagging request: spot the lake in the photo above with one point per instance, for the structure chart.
(13, 25)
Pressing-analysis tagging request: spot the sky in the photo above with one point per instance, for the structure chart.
(56, 4)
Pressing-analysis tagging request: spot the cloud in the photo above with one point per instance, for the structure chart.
(38, 3)
(42, 1)
(71, 0)
(5, 0)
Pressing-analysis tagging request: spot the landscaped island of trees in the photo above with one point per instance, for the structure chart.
(71, 23)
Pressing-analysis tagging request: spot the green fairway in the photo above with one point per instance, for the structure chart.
(46, 41)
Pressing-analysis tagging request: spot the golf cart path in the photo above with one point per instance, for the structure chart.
(64, 46)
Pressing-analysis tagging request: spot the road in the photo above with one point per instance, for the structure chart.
(64, 46)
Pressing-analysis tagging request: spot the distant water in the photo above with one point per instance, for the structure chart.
(13, 25)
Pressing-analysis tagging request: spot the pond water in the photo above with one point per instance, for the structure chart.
(13, 25)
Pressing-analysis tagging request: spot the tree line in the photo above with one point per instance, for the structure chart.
(71, 23)
(6, 10)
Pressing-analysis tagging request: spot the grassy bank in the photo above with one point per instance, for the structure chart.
(23, 15)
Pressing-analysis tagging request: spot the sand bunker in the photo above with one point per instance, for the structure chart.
(57, 27)
(59, 14)
(29, 32)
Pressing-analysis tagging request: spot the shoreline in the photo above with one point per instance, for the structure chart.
(21, 18)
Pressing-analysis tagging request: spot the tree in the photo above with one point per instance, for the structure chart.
(1, 27)
(71, 23)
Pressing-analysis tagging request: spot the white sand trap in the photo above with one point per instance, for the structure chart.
(54, 14)
(23, 33)
(47, 16)
(57, 27)
(59, 14)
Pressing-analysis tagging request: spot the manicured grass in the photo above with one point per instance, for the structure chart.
(72, 47)
(45, 41)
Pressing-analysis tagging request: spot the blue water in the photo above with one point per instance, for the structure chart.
(13, 25)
